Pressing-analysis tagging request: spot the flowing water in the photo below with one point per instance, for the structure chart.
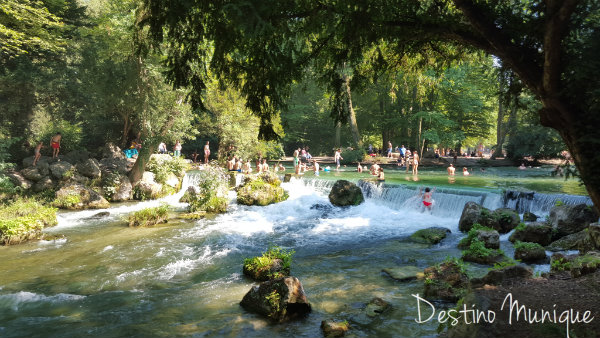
(184, 278)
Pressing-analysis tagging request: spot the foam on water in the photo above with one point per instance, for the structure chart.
(18, 299)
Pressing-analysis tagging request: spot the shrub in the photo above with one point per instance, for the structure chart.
(504, 264)
(353, 156)
(24, 219)
(149, 216)
(560, 264)
(213, 186)
(527, 246)
(261, 266)
(67, 202)
(163, 165)
(472, 234)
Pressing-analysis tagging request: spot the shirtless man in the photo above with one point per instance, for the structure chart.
(316, 167)
(451, 169)
(247, 168)
(231, 164)
(427, 200)
(37, 152)
(238, 165)
(55, 144)
(265, 165)
(206, 152)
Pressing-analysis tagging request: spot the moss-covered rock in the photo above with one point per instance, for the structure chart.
(569, 219)
(502, 220)
(478, 253)
(529, 252)
(536, 232)
(345, 193)
(507, 219)
(279, 300)
(404, 273)
(489, 236)
(210, 191)
(149, 216)
(529, 217)
(262, 190)
(77, 196)
(431, 235)
(274, 263)
(376, 307)
(447, 281)
(24, 219)
(570, 242)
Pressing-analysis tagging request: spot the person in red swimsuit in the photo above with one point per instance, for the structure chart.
(427, 200)
(55, 144)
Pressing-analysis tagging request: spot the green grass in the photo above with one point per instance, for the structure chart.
(149, 216)
(67, 202)
(24, 219)
(527, 246)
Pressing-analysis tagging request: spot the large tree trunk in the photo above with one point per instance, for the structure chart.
(126, 128)
(139, 167)
(500, 131)
(352, 115)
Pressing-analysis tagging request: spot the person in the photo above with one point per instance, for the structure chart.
(407, 159)
(427, 197)
(402, 151)
(265, 165)
(482, 169)
(337, 157)
(231, 164)
(206, 152)
(381, 176)
(296, 161)
(55, 144)
(177, 149)
(279, 167)
(374, 169)
(359, 168)
(194, 155)
(451, 169)
(162, 149)
(466, 171)
(238, 165)
(259, 166)
(316, 167)
(303, 158)
(37, 152)
(247, 168)
(370, 149)
(415, 169)
(389, 150)
(522, 167)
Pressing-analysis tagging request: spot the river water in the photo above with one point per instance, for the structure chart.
(184, 278)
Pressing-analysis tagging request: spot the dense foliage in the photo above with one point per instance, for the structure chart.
(24, 219)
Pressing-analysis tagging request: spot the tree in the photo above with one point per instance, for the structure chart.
(261, 47)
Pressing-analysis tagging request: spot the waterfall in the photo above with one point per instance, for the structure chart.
(539, 203)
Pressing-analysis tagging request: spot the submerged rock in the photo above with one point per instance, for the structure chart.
(376, 307)
(345, 193)
(404, 273)
(99, 215)
(431, 235)
(333, 329)
(280, 299)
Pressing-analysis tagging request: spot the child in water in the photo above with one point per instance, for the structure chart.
(427, 200)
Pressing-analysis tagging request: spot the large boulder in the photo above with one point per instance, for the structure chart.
(59, 169)
(432, 235)
(446, 282)
(489, 237)
(124, 190)
(569, 242)
(32, 174)
(112, 151)
(77, 196)
(507, 219)
(344, 193)
(529, 217)
(18, 180)
(77, 156)
(469, 216)
(147, 188)
(89, 168)
(498, 276)
(279, 300)
(529, 252)
(114, 164)
(28, 161)
(44, 183)
(535, 232)
(594, 234)
(263, 190)
(569, 219)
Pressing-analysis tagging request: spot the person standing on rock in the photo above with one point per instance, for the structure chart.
(206, 152)
(37, 152)
(55, 144)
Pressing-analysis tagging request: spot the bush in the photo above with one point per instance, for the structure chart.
(353, 156)
(149, 216)
(471, 235)
(213, 186)
(261, 267)
(163, 165)
(24, 219)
